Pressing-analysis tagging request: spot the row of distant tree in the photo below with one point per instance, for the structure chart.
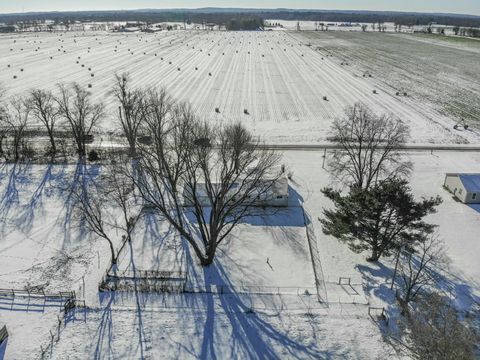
(223, 17)
(470, 32)
(245, 23)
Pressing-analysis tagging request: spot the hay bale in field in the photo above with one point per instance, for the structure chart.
(217, 110)
(245, 111)
(325, 98)
(374, 91)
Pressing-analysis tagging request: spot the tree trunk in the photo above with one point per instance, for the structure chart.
(52, 143)
(375, 255)
(210, 255)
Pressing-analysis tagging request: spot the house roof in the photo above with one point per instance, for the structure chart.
(470, 181)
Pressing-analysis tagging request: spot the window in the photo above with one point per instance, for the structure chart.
(474, 196)
(279, 197)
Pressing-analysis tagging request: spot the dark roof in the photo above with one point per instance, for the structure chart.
(470, 181)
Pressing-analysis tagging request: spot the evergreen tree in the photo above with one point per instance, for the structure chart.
(379, 219)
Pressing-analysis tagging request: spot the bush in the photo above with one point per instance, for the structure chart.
(93, 156)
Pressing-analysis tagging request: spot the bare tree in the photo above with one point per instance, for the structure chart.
(433, 330)
(3, 118)
(75, 106)
(370, 147)
(44, 109)
(418, 268)
(215, 175)
(98, 201)
(131, 109)
(15, 119)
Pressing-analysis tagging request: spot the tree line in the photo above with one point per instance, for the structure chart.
(222, 16)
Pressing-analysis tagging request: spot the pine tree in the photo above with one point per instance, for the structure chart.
(379, 219)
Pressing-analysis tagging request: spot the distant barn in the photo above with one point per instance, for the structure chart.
(465, 187)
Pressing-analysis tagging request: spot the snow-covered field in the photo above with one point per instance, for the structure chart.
(440, 72)
(275, 76)
(266, 306)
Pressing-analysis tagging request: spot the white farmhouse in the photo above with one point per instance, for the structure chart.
(465, 187)
(276, 196)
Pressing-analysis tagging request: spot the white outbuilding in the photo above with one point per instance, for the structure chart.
(465, 187)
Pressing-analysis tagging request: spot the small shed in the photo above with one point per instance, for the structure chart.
(465, 187)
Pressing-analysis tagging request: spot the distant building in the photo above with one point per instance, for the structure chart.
(7, 28)
(465, 187)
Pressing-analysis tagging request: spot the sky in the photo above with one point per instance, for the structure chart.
(471, 7)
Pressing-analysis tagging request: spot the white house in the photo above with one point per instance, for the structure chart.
(465, 187)
(276, 195)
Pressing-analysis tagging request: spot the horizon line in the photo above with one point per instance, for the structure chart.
(239, 8)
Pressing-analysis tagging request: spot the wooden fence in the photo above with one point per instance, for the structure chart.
(144, 280)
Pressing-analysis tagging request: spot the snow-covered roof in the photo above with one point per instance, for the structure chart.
(470, 181)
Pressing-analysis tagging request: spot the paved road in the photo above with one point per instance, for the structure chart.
(411, 147)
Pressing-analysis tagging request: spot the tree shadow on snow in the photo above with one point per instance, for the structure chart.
(252, 336)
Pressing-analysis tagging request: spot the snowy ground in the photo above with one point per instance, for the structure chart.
(274, 75)
(458, 225)
(41, 247)
(216, 327)
(156, 247)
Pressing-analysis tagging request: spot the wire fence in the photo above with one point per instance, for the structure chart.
(315, 256)
(252, 289)
(26, 298)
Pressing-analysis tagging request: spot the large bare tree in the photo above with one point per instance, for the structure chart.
(15, 121)
(418, 268)
(44, 109)
(130, 111)
(82, 115)
(370, 147)
(204, 180)
(3, 116)
(434, 330)
(108, 203)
